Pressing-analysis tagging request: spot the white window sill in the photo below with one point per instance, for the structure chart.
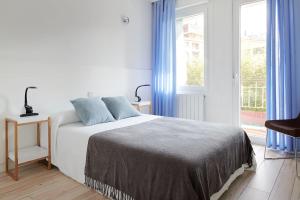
(191, 90)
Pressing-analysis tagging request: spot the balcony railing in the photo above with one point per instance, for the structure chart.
(253, 98)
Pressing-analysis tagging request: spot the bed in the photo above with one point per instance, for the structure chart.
(71, 143)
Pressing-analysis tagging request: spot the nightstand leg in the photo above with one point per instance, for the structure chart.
(49, 143)
(38, 134)
(16, 175)
(6, 146)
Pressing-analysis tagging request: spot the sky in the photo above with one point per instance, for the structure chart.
(253, 19)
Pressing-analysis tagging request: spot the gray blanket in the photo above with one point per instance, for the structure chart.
(165, 159)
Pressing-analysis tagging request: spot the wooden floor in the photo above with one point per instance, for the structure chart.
(256, 132)
(274, 179)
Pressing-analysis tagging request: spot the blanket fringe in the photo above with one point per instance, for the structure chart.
(250, 151)
(106, 190)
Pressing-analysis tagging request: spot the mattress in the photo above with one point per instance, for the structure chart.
(70, 142)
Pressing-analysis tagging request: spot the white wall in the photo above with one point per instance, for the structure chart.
(70, 47)
(67, 48)
(219, 101)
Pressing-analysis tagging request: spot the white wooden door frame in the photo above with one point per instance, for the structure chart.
(236, 85)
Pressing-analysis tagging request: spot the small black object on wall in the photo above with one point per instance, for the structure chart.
(138, 98)
(29, 110)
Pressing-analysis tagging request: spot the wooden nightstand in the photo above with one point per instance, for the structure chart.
(30, 154)
(140, 105)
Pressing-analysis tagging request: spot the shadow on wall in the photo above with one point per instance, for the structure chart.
(4, 110)
(4, 107)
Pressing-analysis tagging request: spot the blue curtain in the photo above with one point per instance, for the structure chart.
(164, 58)
(283, 66)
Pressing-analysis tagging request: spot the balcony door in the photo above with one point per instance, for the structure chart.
(252, 67)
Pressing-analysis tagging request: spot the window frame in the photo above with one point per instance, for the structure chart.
(237, 61)
(189, 12)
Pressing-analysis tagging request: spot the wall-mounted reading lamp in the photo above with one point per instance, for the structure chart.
(138, 98)
(29, 110)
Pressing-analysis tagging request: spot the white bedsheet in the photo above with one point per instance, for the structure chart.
(70, 143)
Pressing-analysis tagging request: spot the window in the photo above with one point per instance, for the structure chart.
(253, 16)
(196, 45)
(191, 45)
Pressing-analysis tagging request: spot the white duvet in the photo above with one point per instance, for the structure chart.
(70, 140)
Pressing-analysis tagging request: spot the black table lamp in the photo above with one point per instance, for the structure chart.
(29, 110)
(138, 98)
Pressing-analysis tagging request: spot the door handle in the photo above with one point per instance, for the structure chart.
(235, 76)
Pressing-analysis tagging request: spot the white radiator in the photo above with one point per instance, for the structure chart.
(190, 106)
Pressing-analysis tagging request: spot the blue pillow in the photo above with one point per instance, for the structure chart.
(120, 107)
(92, 111)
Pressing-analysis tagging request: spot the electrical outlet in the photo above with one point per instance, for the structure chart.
(90, 94)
